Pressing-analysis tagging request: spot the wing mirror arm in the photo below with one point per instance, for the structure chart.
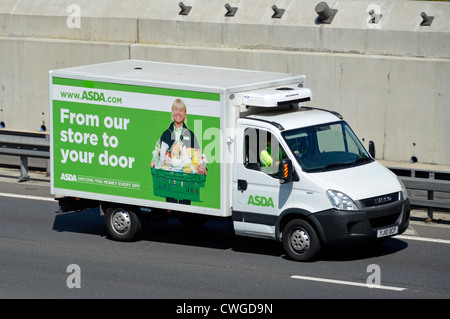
(372, 148)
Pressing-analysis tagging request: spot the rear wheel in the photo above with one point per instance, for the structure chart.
(123, 223)
(300, 241)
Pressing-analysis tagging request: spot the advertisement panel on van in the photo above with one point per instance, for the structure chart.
(136, 142)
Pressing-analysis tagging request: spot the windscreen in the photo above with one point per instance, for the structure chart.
(329, 146)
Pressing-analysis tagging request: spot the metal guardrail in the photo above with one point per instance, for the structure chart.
(24, 145)
(426, 188)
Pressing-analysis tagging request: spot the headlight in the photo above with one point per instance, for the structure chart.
(404, 192)
(341, 201)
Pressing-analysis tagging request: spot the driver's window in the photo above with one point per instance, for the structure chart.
(262, 151)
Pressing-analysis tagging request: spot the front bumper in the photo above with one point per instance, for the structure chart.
(341, 227)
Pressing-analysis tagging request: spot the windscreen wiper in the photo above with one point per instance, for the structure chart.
(334, 165)
(361, 160)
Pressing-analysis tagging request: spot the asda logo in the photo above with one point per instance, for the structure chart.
(260, 201)
(93, 96)
(68, 177)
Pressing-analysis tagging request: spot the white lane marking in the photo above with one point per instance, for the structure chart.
(431, 240)
(50, 199)
(348, 283)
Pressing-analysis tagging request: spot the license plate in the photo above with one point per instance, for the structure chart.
(387, 232)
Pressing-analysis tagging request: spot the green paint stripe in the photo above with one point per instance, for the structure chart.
(137, 89)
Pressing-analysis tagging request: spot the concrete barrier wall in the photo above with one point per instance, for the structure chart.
(389, 79)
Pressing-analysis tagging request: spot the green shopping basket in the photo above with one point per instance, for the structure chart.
(178, 185)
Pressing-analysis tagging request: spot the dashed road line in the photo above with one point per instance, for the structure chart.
(431, 240)
(348, 283)
(41, 198)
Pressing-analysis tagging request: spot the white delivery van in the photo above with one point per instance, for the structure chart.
(146, 139)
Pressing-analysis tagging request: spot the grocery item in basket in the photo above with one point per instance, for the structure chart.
(176, 148)
(179, 158)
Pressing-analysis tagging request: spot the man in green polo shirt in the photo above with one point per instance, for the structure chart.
(270, 164)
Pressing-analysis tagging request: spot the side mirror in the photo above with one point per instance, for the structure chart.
(286, 170)
(372, 148)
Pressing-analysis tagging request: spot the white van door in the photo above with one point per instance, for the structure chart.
(258, 195)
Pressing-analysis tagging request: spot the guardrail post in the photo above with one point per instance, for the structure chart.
(24, 169)
(430, 196)
(430, 209)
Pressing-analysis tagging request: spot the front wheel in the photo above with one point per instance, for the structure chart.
(300, 241)
(123, 224)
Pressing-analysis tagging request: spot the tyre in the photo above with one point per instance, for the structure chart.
(300, 241)
(123, 224)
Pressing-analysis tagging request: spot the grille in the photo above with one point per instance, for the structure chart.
(381, 200)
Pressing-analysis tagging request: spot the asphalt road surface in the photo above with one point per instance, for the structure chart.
(44, 254)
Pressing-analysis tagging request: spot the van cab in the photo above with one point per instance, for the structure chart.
(338, 192)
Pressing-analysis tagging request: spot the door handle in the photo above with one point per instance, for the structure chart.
(242, 184)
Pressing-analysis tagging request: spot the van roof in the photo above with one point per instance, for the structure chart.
(150, 73)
